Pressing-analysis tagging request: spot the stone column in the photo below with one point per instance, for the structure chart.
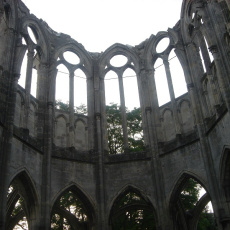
(100, 184)
(71, 109)
(123, 113)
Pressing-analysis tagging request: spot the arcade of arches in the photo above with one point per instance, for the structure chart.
(135, 137)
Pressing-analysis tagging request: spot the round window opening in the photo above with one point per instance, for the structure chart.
(71, 58)
(162, 45)
(33, 35)
(118, 60)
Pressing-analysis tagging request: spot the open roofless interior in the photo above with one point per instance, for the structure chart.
(134, 137)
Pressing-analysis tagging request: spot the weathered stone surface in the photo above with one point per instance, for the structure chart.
(46, 151)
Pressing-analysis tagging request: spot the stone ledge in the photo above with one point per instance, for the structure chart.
(72, 154)
(180, 141)
(127, 157)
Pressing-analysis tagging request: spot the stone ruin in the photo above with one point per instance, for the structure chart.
(46, 151)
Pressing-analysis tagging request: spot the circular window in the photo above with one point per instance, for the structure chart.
(71, 57)
(162, 45)
(118, 60)
(32, 34)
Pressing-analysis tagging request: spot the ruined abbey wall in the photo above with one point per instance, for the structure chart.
(44, 151)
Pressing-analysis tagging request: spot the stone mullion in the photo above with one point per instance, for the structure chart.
(90, 107)
(204, 143)
(71, 109)
(172, 97)
(29, 68)
(123, 113)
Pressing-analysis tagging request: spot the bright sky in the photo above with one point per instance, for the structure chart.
(98, 24)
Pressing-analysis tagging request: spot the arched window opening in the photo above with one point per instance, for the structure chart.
(118, 60)
(62, 88)
(21, 203)
(161, 83)
(80, 92)
(131, 89)
(111, 88)
(71, 57)
(69, 212)
(24, 68)
(133, 111)
(113, 113)
(34, 75)
(33, 34)
(177, 74)
(193, 207)
(16, 220)
(22, 79)
(131, 211)
(162, 45)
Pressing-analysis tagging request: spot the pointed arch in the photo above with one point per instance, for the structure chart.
(181, 180)
(87, 205)
(76, 48)
(24, 187)
(130, 199)
(225, 172)
(119, 49)
(184, 208)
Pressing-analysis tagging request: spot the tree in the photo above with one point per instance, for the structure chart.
(69, 203)
(189, 198)
(115, 132)
(81, 109)
(131, 217)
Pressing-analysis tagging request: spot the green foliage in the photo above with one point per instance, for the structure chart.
(115, 132)
(189, 198)
(206, 221)
(190, 195)
(81, 109)
(62, 106)
(133, 219)
(72, 204)
(114, 129)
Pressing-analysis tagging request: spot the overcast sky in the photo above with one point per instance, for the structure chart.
(98, 24)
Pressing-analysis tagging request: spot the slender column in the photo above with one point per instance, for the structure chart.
(29, 68)
(71, 109)
(44, 222)
(172, 96)
(123, 113)
(100, 189)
